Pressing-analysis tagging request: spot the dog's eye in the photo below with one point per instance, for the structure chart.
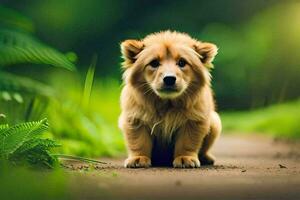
(181, 63)
(154, 63)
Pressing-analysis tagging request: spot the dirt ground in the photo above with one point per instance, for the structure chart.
(247, 167)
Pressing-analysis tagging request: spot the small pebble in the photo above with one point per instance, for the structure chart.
(282, 166)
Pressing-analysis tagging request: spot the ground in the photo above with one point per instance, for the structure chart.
(247, 167)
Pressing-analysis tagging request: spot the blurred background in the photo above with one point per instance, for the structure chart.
(256, 78)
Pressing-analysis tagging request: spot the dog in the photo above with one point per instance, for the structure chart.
(168, 112)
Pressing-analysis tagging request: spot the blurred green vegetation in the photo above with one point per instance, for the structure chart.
(257, 65)
(82, 121)
(86, 130)
(281, 121)
(21, 183)
(258, 62)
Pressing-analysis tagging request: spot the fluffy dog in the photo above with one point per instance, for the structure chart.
(168, 112)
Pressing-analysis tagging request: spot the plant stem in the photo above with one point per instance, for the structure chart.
(78, 158)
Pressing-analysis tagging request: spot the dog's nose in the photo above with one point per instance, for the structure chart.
(169, 80)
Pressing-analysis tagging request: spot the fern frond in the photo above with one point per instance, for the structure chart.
(35, 156)
(3, 128)
(18, 47)
(14, 83)
(37, 143)
(17, 135)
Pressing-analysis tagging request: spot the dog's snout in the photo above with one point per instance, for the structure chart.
(169, 80)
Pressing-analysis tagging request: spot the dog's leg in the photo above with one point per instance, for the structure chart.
(188, 143)
(215, 130)
(139, 145)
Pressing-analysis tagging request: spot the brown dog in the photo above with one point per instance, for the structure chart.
(168, 111)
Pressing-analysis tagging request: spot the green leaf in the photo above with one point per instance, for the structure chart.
(88, 84)
(14, 83)
(17, 47)
(35, 156)
(38, 143)
(16, 136)
(11, 18)
(3, 128)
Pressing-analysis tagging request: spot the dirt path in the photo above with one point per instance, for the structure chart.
(246, 168)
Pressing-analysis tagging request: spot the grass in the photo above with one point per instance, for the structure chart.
(83, 114)
(86, 125)
(281, 120)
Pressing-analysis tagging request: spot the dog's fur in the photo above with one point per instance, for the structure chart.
(162, 126)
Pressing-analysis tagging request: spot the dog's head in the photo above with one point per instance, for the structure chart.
(167, 63)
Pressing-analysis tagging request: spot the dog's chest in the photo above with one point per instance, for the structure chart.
(166, 123)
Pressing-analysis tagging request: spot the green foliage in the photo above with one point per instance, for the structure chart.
(23, 142)
(17, 47)
(280, 120)
(22, 183)
(88, 84)
(86, 130)
(3, 128)
(12, 19)
(258, 61)
(255, 42)
(20, 97)
(22, 107)
(84, 121)
(14, 83)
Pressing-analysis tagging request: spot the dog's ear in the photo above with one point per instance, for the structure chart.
(130, 48)
(207, 52)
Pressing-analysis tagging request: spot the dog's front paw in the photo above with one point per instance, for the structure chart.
(138, 162)
(207, 159)
(186, 162)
